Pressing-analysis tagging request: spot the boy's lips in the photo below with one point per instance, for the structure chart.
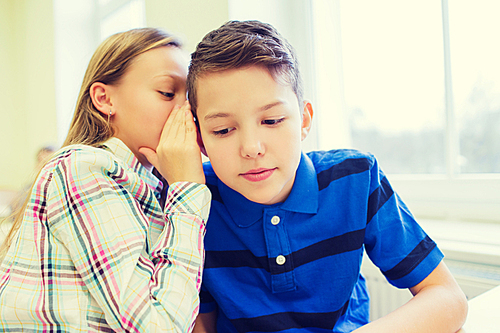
(256, 175)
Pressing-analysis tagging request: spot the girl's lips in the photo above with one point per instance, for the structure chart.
(257, 175)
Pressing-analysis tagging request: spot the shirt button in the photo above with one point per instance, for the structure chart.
(280, 260)
(275, 220)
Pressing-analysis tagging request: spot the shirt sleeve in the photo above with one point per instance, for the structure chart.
(102, 213)
(394, 241)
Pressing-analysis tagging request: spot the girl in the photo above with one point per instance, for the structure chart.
(94, 248)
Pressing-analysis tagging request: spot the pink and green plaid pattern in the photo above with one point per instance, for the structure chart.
(97, 253)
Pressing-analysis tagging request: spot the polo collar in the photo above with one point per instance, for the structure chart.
(302, 199)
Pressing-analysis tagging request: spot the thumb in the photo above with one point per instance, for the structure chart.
(150, 155)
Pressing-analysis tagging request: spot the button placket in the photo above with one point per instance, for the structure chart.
(278, 251)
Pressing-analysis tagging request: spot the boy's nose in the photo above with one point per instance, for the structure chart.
(251, 147)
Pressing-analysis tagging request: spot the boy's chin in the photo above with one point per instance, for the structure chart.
(264, 199)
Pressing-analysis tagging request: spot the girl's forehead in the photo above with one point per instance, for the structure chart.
(161, 61)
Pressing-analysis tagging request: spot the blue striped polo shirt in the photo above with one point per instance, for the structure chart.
(295, 266)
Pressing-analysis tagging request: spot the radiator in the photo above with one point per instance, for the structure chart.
(474, 277)
(384, 297)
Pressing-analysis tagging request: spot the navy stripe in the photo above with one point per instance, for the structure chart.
(378, 198)
(236, 258)
(215, 192)
(349, 241)
(417, 255)
(206, 297)
(289, 320)
(345, 168)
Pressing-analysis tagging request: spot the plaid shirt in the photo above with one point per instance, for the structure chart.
(97, 253)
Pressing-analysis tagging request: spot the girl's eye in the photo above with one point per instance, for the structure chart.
(223, 132)
(272, 121)
(167, 94)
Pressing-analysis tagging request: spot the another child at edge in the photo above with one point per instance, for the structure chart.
(95, 248)
(287, 230)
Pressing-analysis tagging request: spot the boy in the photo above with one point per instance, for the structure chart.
(287, 230)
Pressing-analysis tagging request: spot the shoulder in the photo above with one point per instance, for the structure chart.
(78, 159)
(341, 158)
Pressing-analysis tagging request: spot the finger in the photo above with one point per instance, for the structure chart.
(190, 126)
(185, 109)
(167, 127)
(176, 130)
(173, 131)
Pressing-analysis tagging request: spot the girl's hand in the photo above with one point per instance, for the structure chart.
(178, 156)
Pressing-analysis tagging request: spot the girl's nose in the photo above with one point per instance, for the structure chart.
(181, 99)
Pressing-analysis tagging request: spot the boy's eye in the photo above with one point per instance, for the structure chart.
(272, 121)
(167, 94)
(223, 132)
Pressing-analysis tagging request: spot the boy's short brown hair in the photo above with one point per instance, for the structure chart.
(238, 44)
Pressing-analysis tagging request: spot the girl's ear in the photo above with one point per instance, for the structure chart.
(307, 115)
(100, 95)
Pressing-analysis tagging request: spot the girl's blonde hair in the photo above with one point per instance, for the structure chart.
(108, 64)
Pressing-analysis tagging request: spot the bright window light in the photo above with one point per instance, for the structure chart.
(475, 69)
(128, 16)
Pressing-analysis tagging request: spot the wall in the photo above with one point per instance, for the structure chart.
(27, 111)
(9, 113)
(27, 65)
(188, 19)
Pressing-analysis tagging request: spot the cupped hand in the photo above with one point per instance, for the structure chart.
(178, 156)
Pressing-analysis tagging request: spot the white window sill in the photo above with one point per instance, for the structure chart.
(472, 252)
(466, 240)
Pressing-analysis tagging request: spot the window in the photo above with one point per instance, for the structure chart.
(417, 84)
(393, 82)
(475, 73)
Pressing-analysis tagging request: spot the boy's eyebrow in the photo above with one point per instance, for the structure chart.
(270, 105)
(225, 115)
(216, 115)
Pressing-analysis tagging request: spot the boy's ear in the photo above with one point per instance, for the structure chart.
(100, 95)
(307, 115)
(200, 142)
